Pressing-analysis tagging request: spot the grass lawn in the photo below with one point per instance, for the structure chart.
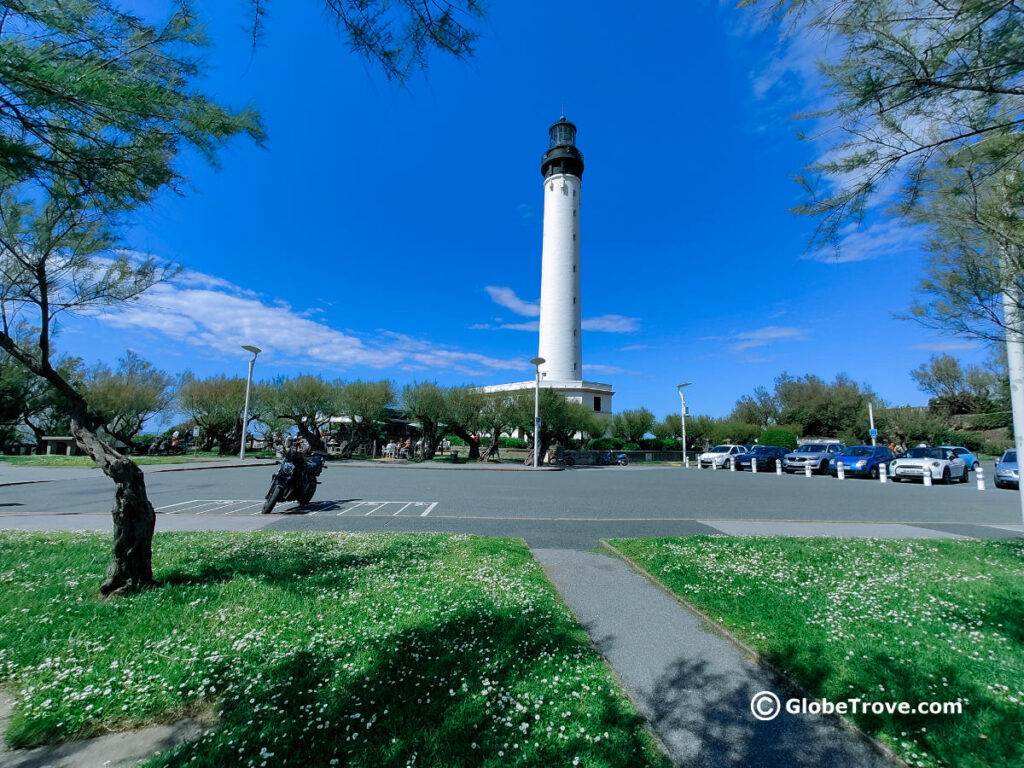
(312, 649)
(885, 621)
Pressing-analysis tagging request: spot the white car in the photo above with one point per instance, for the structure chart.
(942, 464)
(719, 456)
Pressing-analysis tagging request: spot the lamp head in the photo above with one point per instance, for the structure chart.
(250, 348)
(538, 361)
(680, 386)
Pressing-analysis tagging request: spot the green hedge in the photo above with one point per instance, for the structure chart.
(631, 447)
(454, 439)
(511, 442)
(778, 437)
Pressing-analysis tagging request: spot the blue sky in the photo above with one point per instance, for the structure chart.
(388, 232)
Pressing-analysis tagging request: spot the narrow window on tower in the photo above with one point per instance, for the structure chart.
(573, 267)
(597, 403)
(574, 366)
(574, 212)
(573, 299)
(573, 235)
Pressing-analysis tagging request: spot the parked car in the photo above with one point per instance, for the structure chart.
(817, 455)
(720, 455)
(969, 458)
(860, 460)
(942, 463)
(1007, 472)
(766, 456)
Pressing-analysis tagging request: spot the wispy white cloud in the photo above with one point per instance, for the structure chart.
(611, 324)
(763, 337)
(507, 298)
(884, 238)
(946, 346)
(634, 348)
(216, 316)
(605, 369)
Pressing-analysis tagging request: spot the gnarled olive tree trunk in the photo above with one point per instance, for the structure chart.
(131, 562)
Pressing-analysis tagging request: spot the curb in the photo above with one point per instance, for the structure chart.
(786, 681)
(454, 468)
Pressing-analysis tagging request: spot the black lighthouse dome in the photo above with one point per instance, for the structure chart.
(562, 155)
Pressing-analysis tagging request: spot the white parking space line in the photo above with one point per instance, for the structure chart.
(245, 505)
(252, 507)
(178, 504)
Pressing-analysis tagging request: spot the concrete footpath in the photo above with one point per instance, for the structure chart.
(693, 686)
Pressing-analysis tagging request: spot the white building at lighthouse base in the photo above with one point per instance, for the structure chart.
(596, 396)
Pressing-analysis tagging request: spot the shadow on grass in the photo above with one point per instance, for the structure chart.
(300, 570)
(408, 706)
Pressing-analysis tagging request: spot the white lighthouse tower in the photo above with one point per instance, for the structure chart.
(561, 341)
(561, 329)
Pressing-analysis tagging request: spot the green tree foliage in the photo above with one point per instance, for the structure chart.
(502, 412)
(760, 408)
(926, 97)
(670, 427)
(821, 408)
(632, 425)
(780, 437)
(956, 390)
(398, 35)
(464, 408)
(728, 431)
(366, 406)
(215, 404)
(307, 402)
(128, 397)
(426, 404)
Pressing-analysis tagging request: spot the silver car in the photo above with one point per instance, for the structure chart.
(1007, 471)
(816, 455)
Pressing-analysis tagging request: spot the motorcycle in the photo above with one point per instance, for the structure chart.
(295, 479)
(621, 459)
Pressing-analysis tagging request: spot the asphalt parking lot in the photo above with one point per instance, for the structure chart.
(571, 508)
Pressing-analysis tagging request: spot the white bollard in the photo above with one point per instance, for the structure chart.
(840, 470)
(714, 464)
(807, 470)
(927, 477)
(778, 468)
(981, 478)
(883, 473)
(732, 464)
(753, 465)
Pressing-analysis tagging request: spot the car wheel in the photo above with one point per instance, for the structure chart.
(975, 465)
(873, 472)
(897, 479)
(946, 476)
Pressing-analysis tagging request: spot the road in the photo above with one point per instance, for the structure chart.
(567, 509)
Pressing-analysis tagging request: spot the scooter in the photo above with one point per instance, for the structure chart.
(295, 479)
(620, 459)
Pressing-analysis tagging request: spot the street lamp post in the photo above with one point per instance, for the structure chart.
(537, 362)
(682, 414)
(248, 383)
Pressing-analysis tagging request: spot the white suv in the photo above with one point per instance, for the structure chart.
(719, 456)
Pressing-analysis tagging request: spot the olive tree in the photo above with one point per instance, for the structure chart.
(95, 107)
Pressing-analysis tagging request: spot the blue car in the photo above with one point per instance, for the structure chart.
(969, 458)
(860, 460)
(1007, 472)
